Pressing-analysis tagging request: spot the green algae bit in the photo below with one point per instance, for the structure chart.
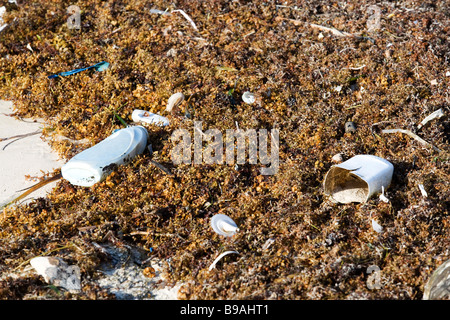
(101, 66)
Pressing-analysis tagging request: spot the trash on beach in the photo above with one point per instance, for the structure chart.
(382, 196)
(101, 66)
(248, 97)
(151, 118)
(438, 286)
(435, 115)
(213, 265)
(224, 225)
(174, 101)
(58, 273)
(358, 178)
(96, 163)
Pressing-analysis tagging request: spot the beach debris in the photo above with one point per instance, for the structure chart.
(382, 196)
(412, 135)
(447, 74)
(438, 286)
(101, 66)
(151, 118)
(337, 158)
(96, 163)
(376, 226)
(248, 97)
(338, 89)
(57, 272)
(174, 101)
(350, 127)
(358, 178)
(435, 115)
(224, 225)
(213, 265)
(422, 190)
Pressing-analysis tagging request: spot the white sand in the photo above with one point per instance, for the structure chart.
(27, 156)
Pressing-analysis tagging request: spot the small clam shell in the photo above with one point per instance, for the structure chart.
(248, 97)
(174, 101)
(224, 225)
(337, 158)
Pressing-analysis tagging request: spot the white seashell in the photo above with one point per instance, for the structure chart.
(213, 265)
(174, 101)
(57, 272)
(248, 97)
(224, 225)
(144, 116)
(376, 226)
(337, 158)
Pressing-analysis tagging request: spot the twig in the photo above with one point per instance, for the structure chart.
(412, 135)
(20, 136)
(187, 18)
(161, 167)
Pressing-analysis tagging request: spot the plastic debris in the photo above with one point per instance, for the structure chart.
(358, 178)
(438, 286)
(58, 273)
(435, 115)
(224, 225)
(101, 66)
(151, 118)
(382, 196)
(213, 265)
(248, 97)
(174, 101)
(96, 163)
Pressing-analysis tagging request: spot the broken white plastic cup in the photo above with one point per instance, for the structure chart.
(358, 178)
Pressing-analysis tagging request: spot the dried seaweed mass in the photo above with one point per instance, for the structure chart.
(391, 74)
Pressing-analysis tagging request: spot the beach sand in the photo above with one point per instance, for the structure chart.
(27, 156)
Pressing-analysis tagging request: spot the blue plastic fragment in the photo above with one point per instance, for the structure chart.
(101, 66)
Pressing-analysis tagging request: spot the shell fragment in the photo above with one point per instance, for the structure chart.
(151, 118)
(174, 101)
(224, 225)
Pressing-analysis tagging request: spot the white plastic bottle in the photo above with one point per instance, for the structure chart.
(96, 163)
